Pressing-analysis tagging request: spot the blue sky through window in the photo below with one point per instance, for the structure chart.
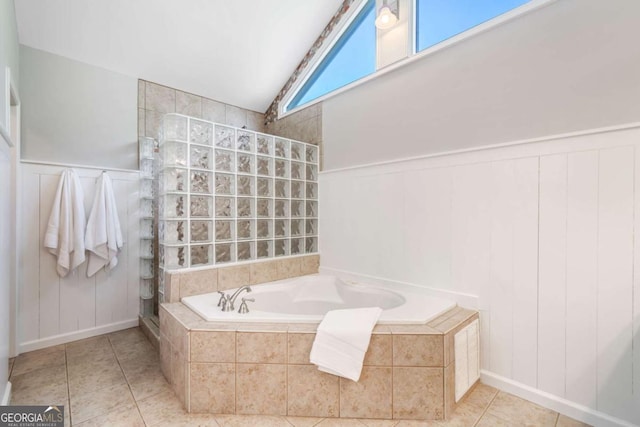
(350, 59)
(438, 20)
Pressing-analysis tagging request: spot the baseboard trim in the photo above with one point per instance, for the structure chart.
(465, 300)
(76, 335)
(6, 397)
(555, 403)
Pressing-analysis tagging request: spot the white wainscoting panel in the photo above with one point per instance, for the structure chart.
(54, 310)
(541, 233)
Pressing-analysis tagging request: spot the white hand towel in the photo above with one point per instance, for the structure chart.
(342, 341)
(103, 237)
(65, 230)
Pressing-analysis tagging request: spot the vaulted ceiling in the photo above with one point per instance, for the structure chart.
(240, 52)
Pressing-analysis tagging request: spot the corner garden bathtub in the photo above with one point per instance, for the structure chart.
(306, 299)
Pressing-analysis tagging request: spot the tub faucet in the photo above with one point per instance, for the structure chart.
(230, 300)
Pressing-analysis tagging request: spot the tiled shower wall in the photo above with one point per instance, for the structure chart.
(154, 101)
(304, 125)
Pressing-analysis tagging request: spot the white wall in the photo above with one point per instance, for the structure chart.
(77, 113)
(8, 52)
(55, 310)
(571, 65)
(8, 58)
(542, 233)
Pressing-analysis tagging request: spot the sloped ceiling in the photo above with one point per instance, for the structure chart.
(240, 52)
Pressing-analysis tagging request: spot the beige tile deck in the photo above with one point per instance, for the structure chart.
(115, 380)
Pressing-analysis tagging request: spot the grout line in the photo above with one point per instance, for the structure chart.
(135, 401)
(487, 408)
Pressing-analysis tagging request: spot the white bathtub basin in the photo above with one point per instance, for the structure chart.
(306, 299)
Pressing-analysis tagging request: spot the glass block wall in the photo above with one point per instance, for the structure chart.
(232, 195)
(147, 238)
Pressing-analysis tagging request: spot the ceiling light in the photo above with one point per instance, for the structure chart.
(387, 17)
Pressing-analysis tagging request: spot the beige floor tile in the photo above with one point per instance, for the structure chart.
(340, 422)
(251, 421)
(39, 377)
(304, 421)
(127, 335)
(516, 410)
(190, 420)
(417, 423)
(43, 386)
(45, 358)
(148, 383)
(138, 366)
(100, 402)
(83, 367)
(380, 423)
(144, 377)
(130, 348)
(481, 396)
(90, 349)
(67, 415)
(465, 415)
(160, 408)
(489, 420)
(94, 376)
(51, 395)
(564, 421)
(43, 396)
(127, 416)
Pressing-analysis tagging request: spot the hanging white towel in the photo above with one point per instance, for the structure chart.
(342, 341)
(103, 238)
(65, 230)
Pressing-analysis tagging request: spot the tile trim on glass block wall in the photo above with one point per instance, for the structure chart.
(247, 195)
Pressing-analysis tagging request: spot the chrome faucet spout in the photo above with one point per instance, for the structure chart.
(232, 299)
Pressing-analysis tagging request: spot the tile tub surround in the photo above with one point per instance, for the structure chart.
(264, 369)
(180, 284)
(155, 404)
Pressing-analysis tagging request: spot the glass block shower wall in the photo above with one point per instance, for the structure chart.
(231, 195)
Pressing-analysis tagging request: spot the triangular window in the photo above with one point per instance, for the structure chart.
(352, 57)
(438, 20)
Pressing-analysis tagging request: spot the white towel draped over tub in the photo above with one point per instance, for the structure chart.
(103, 238)
(65, 230)
(342, 340)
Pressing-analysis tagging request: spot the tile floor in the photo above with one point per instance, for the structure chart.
(115, 380)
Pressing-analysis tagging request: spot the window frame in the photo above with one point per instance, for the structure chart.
(314, 63)
(413, 55)
(337, 43)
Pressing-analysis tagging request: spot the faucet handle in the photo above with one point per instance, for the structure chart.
(222, 299)
(244, 308)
